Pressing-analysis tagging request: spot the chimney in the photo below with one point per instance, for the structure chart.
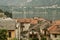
(35, 18)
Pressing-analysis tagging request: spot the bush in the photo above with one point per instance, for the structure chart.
(43, 38)
(14, 39)
(3, 34)
(35, 39)
(30, 38)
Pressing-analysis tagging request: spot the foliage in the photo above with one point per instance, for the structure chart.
(3, 34)
(1, 13)
(8, 14)
(35, 39)
(30, 38)
(1, 10)
(14, 39)
(43, 38)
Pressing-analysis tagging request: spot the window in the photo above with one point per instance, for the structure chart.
(9, 34)
(55, 36)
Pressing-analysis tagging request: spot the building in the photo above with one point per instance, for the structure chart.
(54, 30)
(24, 26)
(30, 26)
(10, 25)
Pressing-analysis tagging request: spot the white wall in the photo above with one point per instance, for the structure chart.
(26, 26)
(55, 38)
(18, 31)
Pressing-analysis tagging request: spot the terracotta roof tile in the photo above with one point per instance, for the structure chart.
(20, 20)
(34, 21)
(27, 20)
(55, 29)
(30, 20)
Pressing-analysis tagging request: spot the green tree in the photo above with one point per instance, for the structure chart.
(1, 10)
(3, 34)
(8, 14)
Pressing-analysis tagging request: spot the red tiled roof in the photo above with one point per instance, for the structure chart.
(20, 20)
(55, 29)
(34, 21)
(30, 20)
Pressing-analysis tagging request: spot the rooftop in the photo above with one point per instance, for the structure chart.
(55, 28)
(30, 20)
(8, 24)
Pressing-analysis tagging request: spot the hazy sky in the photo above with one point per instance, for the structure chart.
(22, 2)
(13, 2)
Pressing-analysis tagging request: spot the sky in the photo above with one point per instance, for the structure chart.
(23, 2)
(13, 2)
